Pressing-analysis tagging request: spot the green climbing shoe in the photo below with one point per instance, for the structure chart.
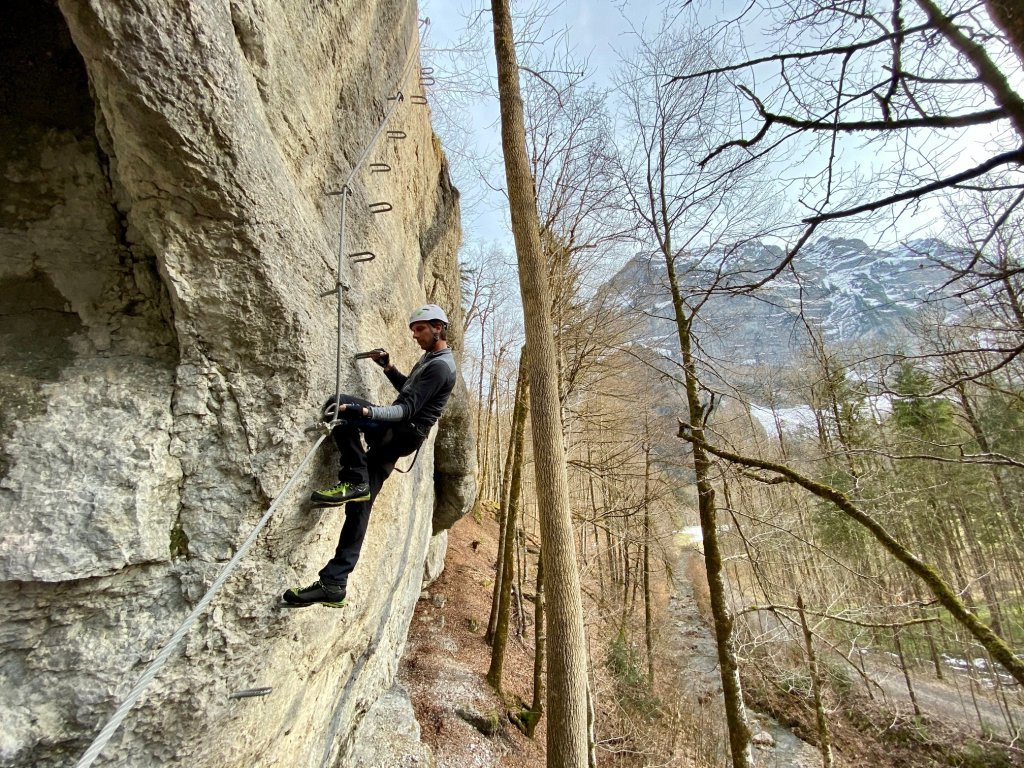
(340, 494)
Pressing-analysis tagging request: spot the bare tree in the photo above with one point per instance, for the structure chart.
(567, 698)
(694, 217)
(919, 82)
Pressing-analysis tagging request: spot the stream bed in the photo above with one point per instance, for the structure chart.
(693, 644)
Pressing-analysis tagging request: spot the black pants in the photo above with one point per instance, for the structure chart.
(386, 443)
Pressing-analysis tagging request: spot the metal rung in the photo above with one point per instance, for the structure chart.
(418, 99)
(427, 80)
(337, 288)
(396, 134)
(380, 207)
(249, 693)
(426, 70)
(399, 96)
(342, 191)
(380, 168)
(359, 258)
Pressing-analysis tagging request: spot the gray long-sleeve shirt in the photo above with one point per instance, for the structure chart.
(422, 394)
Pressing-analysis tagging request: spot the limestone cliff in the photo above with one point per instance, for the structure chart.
(166, 244)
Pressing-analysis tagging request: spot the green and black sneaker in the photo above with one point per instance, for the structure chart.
(316, 593)
(342, 493)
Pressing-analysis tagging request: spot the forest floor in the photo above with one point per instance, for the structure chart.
(464, 721)
(446, 660)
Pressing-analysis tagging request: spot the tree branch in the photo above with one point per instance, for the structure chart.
(926, 572)
(937, 121)
(1014, 156)
(989, 74)
(842, 50)
(832, 617)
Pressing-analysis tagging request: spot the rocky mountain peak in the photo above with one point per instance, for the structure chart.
(843, 288)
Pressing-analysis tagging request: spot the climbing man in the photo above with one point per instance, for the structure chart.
(391, 432)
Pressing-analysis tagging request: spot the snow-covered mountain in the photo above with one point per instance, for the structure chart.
(844, 290)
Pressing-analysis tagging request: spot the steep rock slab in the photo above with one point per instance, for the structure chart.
(165, 241)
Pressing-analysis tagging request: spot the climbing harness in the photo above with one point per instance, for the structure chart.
(162, 657)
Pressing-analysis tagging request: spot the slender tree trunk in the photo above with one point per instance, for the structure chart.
(514, 468)
(500, 637)
(906, 671)
(735, 713)
(567, 695)
(499, 576)
(487, 471)
(521, 565)
(648, 619)
(539, 653)
(982, 569)
(933, 651)
(626, 573)
(819, 707)
(648, 615)
(481, 447)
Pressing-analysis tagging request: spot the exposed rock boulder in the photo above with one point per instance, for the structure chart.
(166, 241)
(389, 736)
(433, 565)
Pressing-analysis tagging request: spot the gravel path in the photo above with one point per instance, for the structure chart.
(948, 700)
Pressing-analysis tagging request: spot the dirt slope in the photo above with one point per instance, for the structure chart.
(446, 660)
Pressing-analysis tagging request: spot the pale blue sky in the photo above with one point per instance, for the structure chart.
(598, 30)
(595, 31)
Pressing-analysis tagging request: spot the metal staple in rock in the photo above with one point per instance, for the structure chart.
(161, 659)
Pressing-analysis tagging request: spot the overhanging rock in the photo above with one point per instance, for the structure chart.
(165, 242)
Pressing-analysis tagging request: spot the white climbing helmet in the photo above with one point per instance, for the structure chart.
(428, 313)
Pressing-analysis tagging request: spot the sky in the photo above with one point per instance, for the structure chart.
(598, 31)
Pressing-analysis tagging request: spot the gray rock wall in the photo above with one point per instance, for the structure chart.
(165, 241)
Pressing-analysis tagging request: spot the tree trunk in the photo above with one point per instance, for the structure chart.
(539, 649)
(906, 670)
(567, 697)
(819, 707)
(521, 566)
(648, 618)
(735, 713)
(509, 535)
(513, 467)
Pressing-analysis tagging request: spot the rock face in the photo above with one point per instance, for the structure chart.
(166, 241)
(389, 736)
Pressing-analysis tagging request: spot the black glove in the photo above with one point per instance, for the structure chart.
(382, 358)
(330, 411)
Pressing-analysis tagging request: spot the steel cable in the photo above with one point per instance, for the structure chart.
(154, 667)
